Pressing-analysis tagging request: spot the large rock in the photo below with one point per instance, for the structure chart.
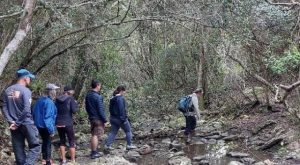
(179, 160)
(259, 163)
(199, 158)
(272, 142)
(237, 154)
(113, 160)
(145, 149)
(132, 156)
(248, 161)
(231, 138)
(166, 141)
(235, 163)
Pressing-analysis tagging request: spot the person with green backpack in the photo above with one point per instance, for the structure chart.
(189, 106)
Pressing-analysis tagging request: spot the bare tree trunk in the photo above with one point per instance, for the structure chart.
(23, 29)
(202, 78)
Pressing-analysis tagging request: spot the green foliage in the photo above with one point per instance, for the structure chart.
(290, 60)
(37, 86)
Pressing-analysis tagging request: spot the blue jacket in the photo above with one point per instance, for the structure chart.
(117, 108)
(94, 106)
(44, 114)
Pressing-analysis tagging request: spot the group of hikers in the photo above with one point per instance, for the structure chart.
(51, 112)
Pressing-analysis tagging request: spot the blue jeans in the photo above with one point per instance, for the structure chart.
(115, 126)
(18, 136)
(46, 144)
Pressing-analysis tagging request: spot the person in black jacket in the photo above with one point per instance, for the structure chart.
(95, 108)
(66, 107)
(119, 118)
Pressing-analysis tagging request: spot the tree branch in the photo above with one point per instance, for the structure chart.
(292, 3)
(256, 76)
(46, 62)
(110, 39)
(11, 15)
(23, 29)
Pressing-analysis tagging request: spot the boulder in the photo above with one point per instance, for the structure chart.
(199, 158)
(145, 149)
(132, 156)
(182, 160)
(248, 161)
(231, 138)
(272, 142)
(237, 154)
(204, 162)
(235, 163)
(259, 163)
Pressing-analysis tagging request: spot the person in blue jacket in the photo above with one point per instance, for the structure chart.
(44, 116)
(95, 109)
(119, 118)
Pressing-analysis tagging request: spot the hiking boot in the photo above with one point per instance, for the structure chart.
(95, 155)
(108, 147)
(130, 147)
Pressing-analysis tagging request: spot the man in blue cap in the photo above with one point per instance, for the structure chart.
(17, 112)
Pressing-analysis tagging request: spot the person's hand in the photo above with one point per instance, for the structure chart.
(52, 135)
(13, 126)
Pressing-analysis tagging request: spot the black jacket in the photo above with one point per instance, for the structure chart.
(66, 107)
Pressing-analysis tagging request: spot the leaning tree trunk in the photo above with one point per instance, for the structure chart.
(23, 29)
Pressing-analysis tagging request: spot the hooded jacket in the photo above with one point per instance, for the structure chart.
(66, 107)
(44, 114)
(117, 108)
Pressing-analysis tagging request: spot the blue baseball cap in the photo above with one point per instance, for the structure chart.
(25, 73)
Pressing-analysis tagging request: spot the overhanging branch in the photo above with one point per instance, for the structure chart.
(110, 39)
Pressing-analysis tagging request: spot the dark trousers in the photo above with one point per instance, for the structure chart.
(190, 124)
(46, 144)
(116, 124)
(18, 136)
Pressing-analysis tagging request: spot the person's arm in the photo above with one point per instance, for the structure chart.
(121, 107)
(73, 105)
(196, 106)
(5, 110)
(101, 109)
(26, 96)
(49, 117)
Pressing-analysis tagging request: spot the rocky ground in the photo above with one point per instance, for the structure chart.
(258, 137)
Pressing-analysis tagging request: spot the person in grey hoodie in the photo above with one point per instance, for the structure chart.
(66, 107)
(17, 112)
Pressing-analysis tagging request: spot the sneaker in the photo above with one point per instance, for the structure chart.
(130, 147)
(95, 155)
(108, 147)
(63, 162)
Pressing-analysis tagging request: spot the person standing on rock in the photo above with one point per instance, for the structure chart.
(66, 107)
(17, 112)
(44, 116)
(95, 108)
(119, 118)
(192, 115)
